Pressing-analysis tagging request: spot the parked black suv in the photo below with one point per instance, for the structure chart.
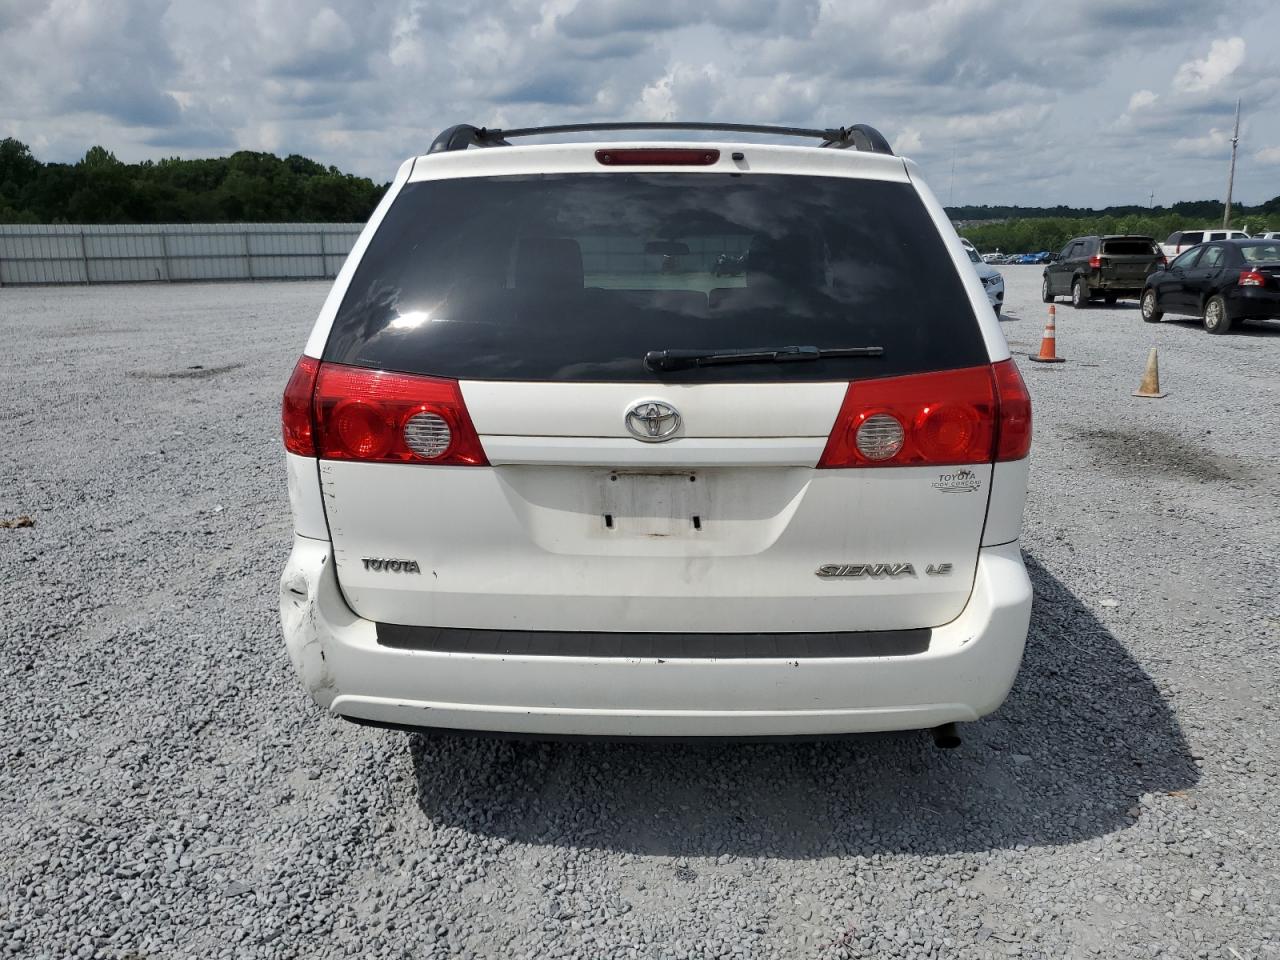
(1106, 267)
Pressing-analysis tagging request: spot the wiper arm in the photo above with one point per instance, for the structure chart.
(682, 359)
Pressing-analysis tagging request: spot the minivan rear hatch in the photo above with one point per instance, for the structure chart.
(617, 492)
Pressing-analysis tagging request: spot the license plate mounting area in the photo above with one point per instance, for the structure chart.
(651, 503)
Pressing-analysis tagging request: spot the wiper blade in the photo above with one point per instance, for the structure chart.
(682, 359)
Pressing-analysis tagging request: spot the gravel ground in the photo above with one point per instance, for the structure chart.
(167, 789)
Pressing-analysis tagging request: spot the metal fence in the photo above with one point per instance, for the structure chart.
(134, 253)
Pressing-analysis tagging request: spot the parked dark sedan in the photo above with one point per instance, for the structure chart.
(1223, 282)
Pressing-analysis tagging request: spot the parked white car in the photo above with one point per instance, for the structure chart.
(542, 485)
(992, 279)
(1181, 240)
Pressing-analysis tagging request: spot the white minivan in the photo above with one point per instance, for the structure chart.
(556, 470)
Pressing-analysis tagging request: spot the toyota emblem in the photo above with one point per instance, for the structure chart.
(652, 421)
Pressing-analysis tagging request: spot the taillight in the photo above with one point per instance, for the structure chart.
(657, 157)
(1252, 278)
(1164, 261)
(295, 411)
(377, 416)
(1095, 262)
(973, 415)
(1013, 428)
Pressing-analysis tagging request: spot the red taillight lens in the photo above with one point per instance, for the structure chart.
(946, 417)
(373, 415)
(1252, 278)
(1013, 434)
(363, 431)
(1095, 262)
(952, 433)
(973, 415)
(295, 411)
(657, 157)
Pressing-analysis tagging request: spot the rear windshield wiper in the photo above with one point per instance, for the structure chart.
(681, 359)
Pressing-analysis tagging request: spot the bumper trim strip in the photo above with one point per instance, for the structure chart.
(700, 646)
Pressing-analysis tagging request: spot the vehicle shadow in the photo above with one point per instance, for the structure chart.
(1083, 736)
(1255, 328)
(1241, 328)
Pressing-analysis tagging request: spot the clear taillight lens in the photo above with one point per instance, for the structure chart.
(428, 435)
(879, 437)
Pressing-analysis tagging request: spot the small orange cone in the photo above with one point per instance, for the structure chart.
(1150, 386)
(1049, 342)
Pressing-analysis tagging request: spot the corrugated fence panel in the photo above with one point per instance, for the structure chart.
(133, 253)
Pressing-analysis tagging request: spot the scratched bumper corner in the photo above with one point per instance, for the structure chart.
(306, 628)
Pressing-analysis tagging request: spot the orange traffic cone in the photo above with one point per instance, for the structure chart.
(1150, 386)
(1049, 342)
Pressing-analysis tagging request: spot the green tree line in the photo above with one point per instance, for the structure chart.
(244, 187)
(1027, 230)
(261, 187)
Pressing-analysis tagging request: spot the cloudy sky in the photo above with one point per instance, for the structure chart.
(1084, 102)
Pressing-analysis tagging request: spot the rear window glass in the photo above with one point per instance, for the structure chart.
(1261, 252)
(1129, 247)
(578, 276)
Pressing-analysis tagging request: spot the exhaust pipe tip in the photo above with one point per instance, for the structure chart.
(946, 737)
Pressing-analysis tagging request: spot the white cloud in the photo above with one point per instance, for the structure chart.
(1268, 155)
(1141, 100)
(1025, 114)
(329, 33)
(1224, 59)
(998, 123)
(1216, 143)
(908, 141)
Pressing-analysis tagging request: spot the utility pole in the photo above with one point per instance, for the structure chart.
(1151, 200)
(1231, 177)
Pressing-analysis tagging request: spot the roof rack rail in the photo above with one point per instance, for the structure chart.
(859, 136)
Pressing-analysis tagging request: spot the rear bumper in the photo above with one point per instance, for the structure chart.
(965, 672)
(1120, 286)
(1256, 303)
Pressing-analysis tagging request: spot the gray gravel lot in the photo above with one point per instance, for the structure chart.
(167, 790)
